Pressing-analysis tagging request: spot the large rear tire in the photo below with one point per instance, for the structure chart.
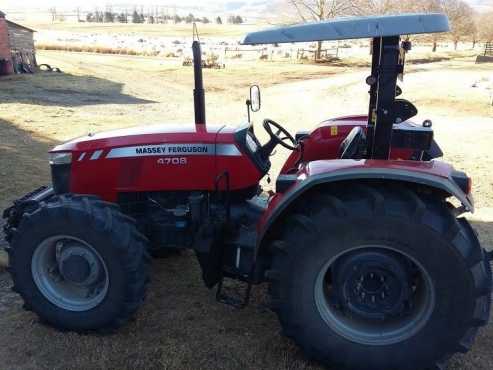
(376, 278)
(79, 263)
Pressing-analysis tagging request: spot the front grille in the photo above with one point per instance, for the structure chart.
(60, 177)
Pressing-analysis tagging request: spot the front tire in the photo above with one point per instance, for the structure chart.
(79, 263)
(342, 251)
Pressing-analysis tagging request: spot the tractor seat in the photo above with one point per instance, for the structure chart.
(354, 145)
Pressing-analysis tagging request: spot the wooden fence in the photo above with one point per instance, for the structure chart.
(324, 53)
(488, 49)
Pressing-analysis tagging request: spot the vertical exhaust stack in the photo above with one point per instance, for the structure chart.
(198, 92)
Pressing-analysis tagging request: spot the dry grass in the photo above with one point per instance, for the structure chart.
(171, 30)
(93, 49)
(180, 325)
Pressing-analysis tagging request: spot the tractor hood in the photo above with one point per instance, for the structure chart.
(155, 159)
(145, 135)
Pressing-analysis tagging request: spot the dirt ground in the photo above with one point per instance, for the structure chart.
(181, 326)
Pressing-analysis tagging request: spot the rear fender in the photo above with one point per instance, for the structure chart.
(290, 188)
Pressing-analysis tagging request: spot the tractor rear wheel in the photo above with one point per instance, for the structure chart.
(79, 263)
(375, 278)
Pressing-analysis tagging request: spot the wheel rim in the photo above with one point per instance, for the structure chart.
(70, 273)
(369, 306)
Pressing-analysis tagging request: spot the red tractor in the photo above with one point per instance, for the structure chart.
(369, 264)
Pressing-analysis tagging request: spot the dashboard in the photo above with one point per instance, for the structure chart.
(248, 142)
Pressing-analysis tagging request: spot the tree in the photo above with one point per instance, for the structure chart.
(53, 14)
(109, 16)
(219, 20)
(189, 18)
(376, 7)
(205, 20)
(319, 10)
(98, 16)
(461, 17)
(177, 19)
(235, 19)
(122, 18)
(485, 27)
(423, 6)
(136, 18)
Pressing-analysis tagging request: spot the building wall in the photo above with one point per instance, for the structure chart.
(20, 39)
(5, 51)
(22, 51)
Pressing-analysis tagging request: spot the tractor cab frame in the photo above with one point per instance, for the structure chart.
(387, 65)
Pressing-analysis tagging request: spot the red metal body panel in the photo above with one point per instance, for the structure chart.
(324, 141)
(95, 172)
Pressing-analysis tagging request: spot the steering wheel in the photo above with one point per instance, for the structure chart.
(280, 136)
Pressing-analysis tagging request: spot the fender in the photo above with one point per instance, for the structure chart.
(434, 174)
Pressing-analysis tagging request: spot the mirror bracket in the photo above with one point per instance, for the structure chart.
(249, 107)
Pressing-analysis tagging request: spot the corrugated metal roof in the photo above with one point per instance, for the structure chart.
(19, 25)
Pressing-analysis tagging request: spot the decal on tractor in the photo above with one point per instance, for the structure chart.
(163, 149)
(173, 149)
(172, 161)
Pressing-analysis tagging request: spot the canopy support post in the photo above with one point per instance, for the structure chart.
(386, 67)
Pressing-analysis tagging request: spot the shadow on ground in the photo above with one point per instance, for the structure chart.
(64, 90)
(23, 161)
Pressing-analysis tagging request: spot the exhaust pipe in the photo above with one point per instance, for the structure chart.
(198, 92)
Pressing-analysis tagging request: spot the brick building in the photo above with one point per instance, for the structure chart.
(17, 53)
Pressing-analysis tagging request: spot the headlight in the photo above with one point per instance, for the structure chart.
(60, 158)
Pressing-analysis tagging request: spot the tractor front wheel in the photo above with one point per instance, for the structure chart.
(79, 263)
(375, 278)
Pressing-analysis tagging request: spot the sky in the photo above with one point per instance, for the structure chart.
(209, 6)
(71, 3)
(92, 3)
(204, 6)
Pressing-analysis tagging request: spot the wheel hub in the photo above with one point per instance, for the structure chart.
(374, 294)
(70, 273)
(78, 265)
(373, 284)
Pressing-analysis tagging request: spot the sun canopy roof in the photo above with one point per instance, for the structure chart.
(352, 28)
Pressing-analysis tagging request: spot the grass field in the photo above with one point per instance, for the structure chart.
(180, 325)
(171, 30)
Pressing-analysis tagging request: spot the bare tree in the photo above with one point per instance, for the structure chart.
(424, 6)
(461, 17)
(319, 10)
(376, 7)
(485, 26)
(53, 14)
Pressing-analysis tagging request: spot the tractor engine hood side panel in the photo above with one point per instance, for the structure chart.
(156, 158)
